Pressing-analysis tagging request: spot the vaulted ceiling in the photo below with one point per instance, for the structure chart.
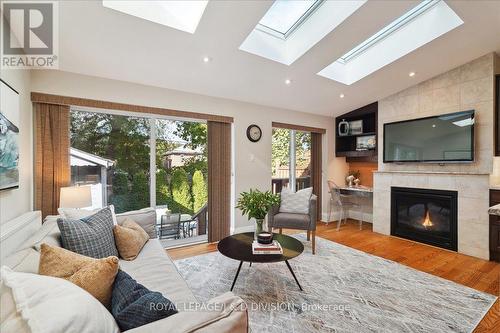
(99, 41)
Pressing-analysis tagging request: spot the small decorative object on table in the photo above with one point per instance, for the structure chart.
(256, 204)
(356, 182)
(265, 238)
(349, 180)
(351, 176)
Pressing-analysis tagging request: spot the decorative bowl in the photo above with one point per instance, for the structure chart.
(265, 238)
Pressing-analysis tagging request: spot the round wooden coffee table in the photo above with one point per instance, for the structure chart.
(239, 247)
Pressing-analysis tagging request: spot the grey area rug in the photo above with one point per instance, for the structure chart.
(345, 290)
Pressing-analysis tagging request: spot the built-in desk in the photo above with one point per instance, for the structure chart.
(363, 195)
(357, 189)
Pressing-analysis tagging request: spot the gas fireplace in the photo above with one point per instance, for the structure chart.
(423, 215)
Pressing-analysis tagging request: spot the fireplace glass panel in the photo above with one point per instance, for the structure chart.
(428, 216)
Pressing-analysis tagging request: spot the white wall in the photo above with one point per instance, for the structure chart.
(15, 202)
(248, 172)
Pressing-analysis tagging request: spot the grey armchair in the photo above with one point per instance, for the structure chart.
(277, 220)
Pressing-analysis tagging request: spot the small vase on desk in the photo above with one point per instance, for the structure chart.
(350, 179)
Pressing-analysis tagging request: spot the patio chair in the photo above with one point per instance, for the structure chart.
(170, 226)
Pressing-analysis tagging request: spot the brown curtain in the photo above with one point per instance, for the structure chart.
(316, 159)
(219, 180)
(52, 166)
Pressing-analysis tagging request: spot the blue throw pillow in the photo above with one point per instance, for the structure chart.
(133, 305)
(91, 236)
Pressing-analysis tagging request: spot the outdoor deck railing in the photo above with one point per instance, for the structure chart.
(300, 182)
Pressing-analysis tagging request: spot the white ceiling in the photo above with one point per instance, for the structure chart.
(102, 42)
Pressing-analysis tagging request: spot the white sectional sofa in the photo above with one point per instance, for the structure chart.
(153, 268)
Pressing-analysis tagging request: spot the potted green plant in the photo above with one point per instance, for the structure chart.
(255, 204)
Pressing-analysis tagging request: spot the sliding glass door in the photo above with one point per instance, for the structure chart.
(139, 162)
(291, 159)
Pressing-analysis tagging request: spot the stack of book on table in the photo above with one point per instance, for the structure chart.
(273, 248)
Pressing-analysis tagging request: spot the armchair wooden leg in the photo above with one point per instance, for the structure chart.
(280, 230)
(308, 235)
(314, 241)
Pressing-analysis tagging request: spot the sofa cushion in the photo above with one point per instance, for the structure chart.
(295, 202)
(133, 305)
(25, 260)
(47, 233)
(146, 218)
(90, 236)
(291, 221)
(96, 276)
(154, 269)
(77, 213)
(41, 304)
(130, 239)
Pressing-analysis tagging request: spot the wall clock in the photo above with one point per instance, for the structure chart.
(254, 133)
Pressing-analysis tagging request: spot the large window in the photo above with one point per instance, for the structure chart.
(111, 153)
(291, 159)
(138, 162)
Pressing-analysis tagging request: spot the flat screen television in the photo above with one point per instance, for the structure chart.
(447, 138)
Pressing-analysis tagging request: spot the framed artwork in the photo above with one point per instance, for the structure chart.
(368, 142)
(9, 137)
(356, 127)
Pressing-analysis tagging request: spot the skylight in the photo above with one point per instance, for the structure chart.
(427, 21)
(290, 28)
(180, 15)
(285, 16)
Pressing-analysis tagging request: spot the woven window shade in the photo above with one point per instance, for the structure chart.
(219, 180)
(52, 162)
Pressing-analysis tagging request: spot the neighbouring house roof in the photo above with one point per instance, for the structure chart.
(81, 158)
(183, 151)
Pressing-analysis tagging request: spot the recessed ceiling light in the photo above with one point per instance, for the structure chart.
(341, 96)
(206, 59)
(411, 74)
(288, 81)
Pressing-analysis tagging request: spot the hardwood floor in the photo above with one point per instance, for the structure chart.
(469, 271)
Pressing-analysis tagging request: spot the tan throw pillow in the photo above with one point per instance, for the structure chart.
(96, 276)
(130, 239)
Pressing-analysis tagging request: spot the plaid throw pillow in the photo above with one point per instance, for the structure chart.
(91, 236)
(133, 305)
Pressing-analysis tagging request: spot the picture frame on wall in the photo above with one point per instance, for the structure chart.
(356, 127)
(9, 137)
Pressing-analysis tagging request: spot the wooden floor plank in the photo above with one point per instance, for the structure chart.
(469, 271)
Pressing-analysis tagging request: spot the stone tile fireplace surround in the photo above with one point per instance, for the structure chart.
(469, 86)
(473, 219)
